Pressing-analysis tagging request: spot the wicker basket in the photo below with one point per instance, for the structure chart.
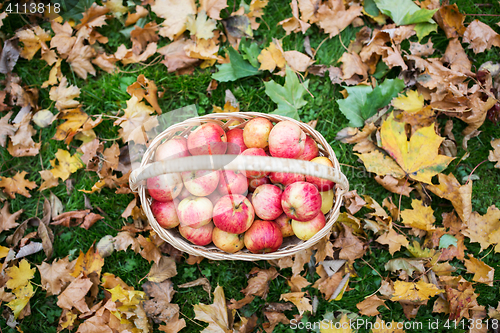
(291, 245)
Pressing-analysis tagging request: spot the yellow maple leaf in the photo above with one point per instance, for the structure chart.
(90, 262)
(17, 184)
(420, 217)
(20, 276)
(136, 114)
(33, 40)
(411, 291)
(202, 27)
(75, 119)
(214, 314)
(482, 272)
(418, 252)
(342, 326)
(417, 158)
(270, 57)
(23, 295)
(484, 229)
(298, 298)
(3, 251)
(127, 297)
(66, 165)
(412, 102)
(394, 240)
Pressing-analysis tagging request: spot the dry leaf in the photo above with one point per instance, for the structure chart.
(297, 282)
(6, 129)
(294, 24)
(175, 14)
(64, 95)
(149, 251)
(55, 276)
(8, 220)
(271, 57)
(141, 37)
(420, 216)
(33, 40)
(394, 185)
(480, 37)
(213, 7)
(199, 282)
(17, 184)
(125, 239)
(164, 269)
(298, 298)
(258, 285)
(66, 165)
(369, 306)
(147, 89)
(350, 246)
(75, 119)
(136, 114)
(158, 307)
(274, 319)
(422, 50)
(19, 276)
(411, 291)
(460, 195)
(202, 27)
(74, 295)
(334, 17)
(495, 153)
(214, 314)
(394, 240)
(450, 20)
(482, 272)
(132, 18)
(353, 202)
(88, 263)
(176, 56)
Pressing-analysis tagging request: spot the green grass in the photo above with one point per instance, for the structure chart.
(106, 94)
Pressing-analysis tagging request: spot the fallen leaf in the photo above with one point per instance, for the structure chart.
(394, 185)
(79, 59)
(75, 119)
(334, 17)
(297, 282)
(422, 50)
(258, 285)
(136, 114)
(174, 325)
(124, 239)
(17, 184)
(175, 14)
(480, 37)
(368, 307)
(353, 202)
(55, 276)
(482, 272)
(149, 251)
(420, 217)
(132, 18)
(407, 265)
(411, 291)
(484, 229)
(6, 129)
(350, 246)
(127, 56)
(352, 65)
(64, 96)
(199, 282)
(450, 20)
(202, 27)
(8, 220)
(19, 276)
(74, 295)
(298, 298)
(214, 314)
(271, 57)
(144, 88)
(176, 56)
(22, 144)
(141, 37)
(23, 295)
(236, 305)
(274, 319)
(164, 269)
(88, 263)
(460, 195)
(294, 24)
(394, 240)
(158, 307)
(495, 153)
(33, 40)
(9, 56)
(456, 57)
(412, 102)
(66, 165)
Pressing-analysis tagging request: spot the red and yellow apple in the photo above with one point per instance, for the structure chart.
(266, 201)
(233, 213)
(286, 178)
(253, 183)
(306, 229)
(173, 148)
(201, 236)
(208, 139)
(263, 237)
(232, 182)
(310, 150)
(165, 187)
(256, 132)
(226, 241)
(285, 225)
(195, 212)
(235, 142)
(165, 213)
(301, 201)
(201, 182)
(286, 140)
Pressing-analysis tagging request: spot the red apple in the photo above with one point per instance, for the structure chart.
(195, 212)
(305, 230)
(286, 178)
(301, 201)
(201, 182)
(266, 201)
(165, 187)
(253, 183)
(226, 241)
(322, 184)
(173, 148)
(256, 132)
(201, 236)
(285, 225)
(286, 140)
(255, 152)
(235, 142)
(208, 139)
(263, 237)
(165, 213)
(233, 213)
(310, 150)
(232, 182)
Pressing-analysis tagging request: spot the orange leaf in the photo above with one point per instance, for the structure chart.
(17, 184)
(482, 272)
(90, 262)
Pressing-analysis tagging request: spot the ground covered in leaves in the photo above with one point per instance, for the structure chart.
(405, 92)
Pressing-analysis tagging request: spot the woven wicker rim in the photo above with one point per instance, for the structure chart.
(291, 245)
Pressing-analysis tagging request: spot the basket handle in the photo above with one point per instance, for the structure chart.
(238, 163)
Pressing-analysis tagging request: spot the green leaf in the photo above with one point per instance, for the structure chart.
(250, 51)
(235, 69)
(404, 12)
(363, 101)
(288, 97)
(447, 240)
(371, 8)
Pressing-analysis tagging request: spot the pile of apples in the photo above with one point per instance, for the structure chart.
(235, 209)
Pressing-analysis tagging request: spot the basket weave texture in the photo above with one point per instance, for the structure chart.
(291, 245)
